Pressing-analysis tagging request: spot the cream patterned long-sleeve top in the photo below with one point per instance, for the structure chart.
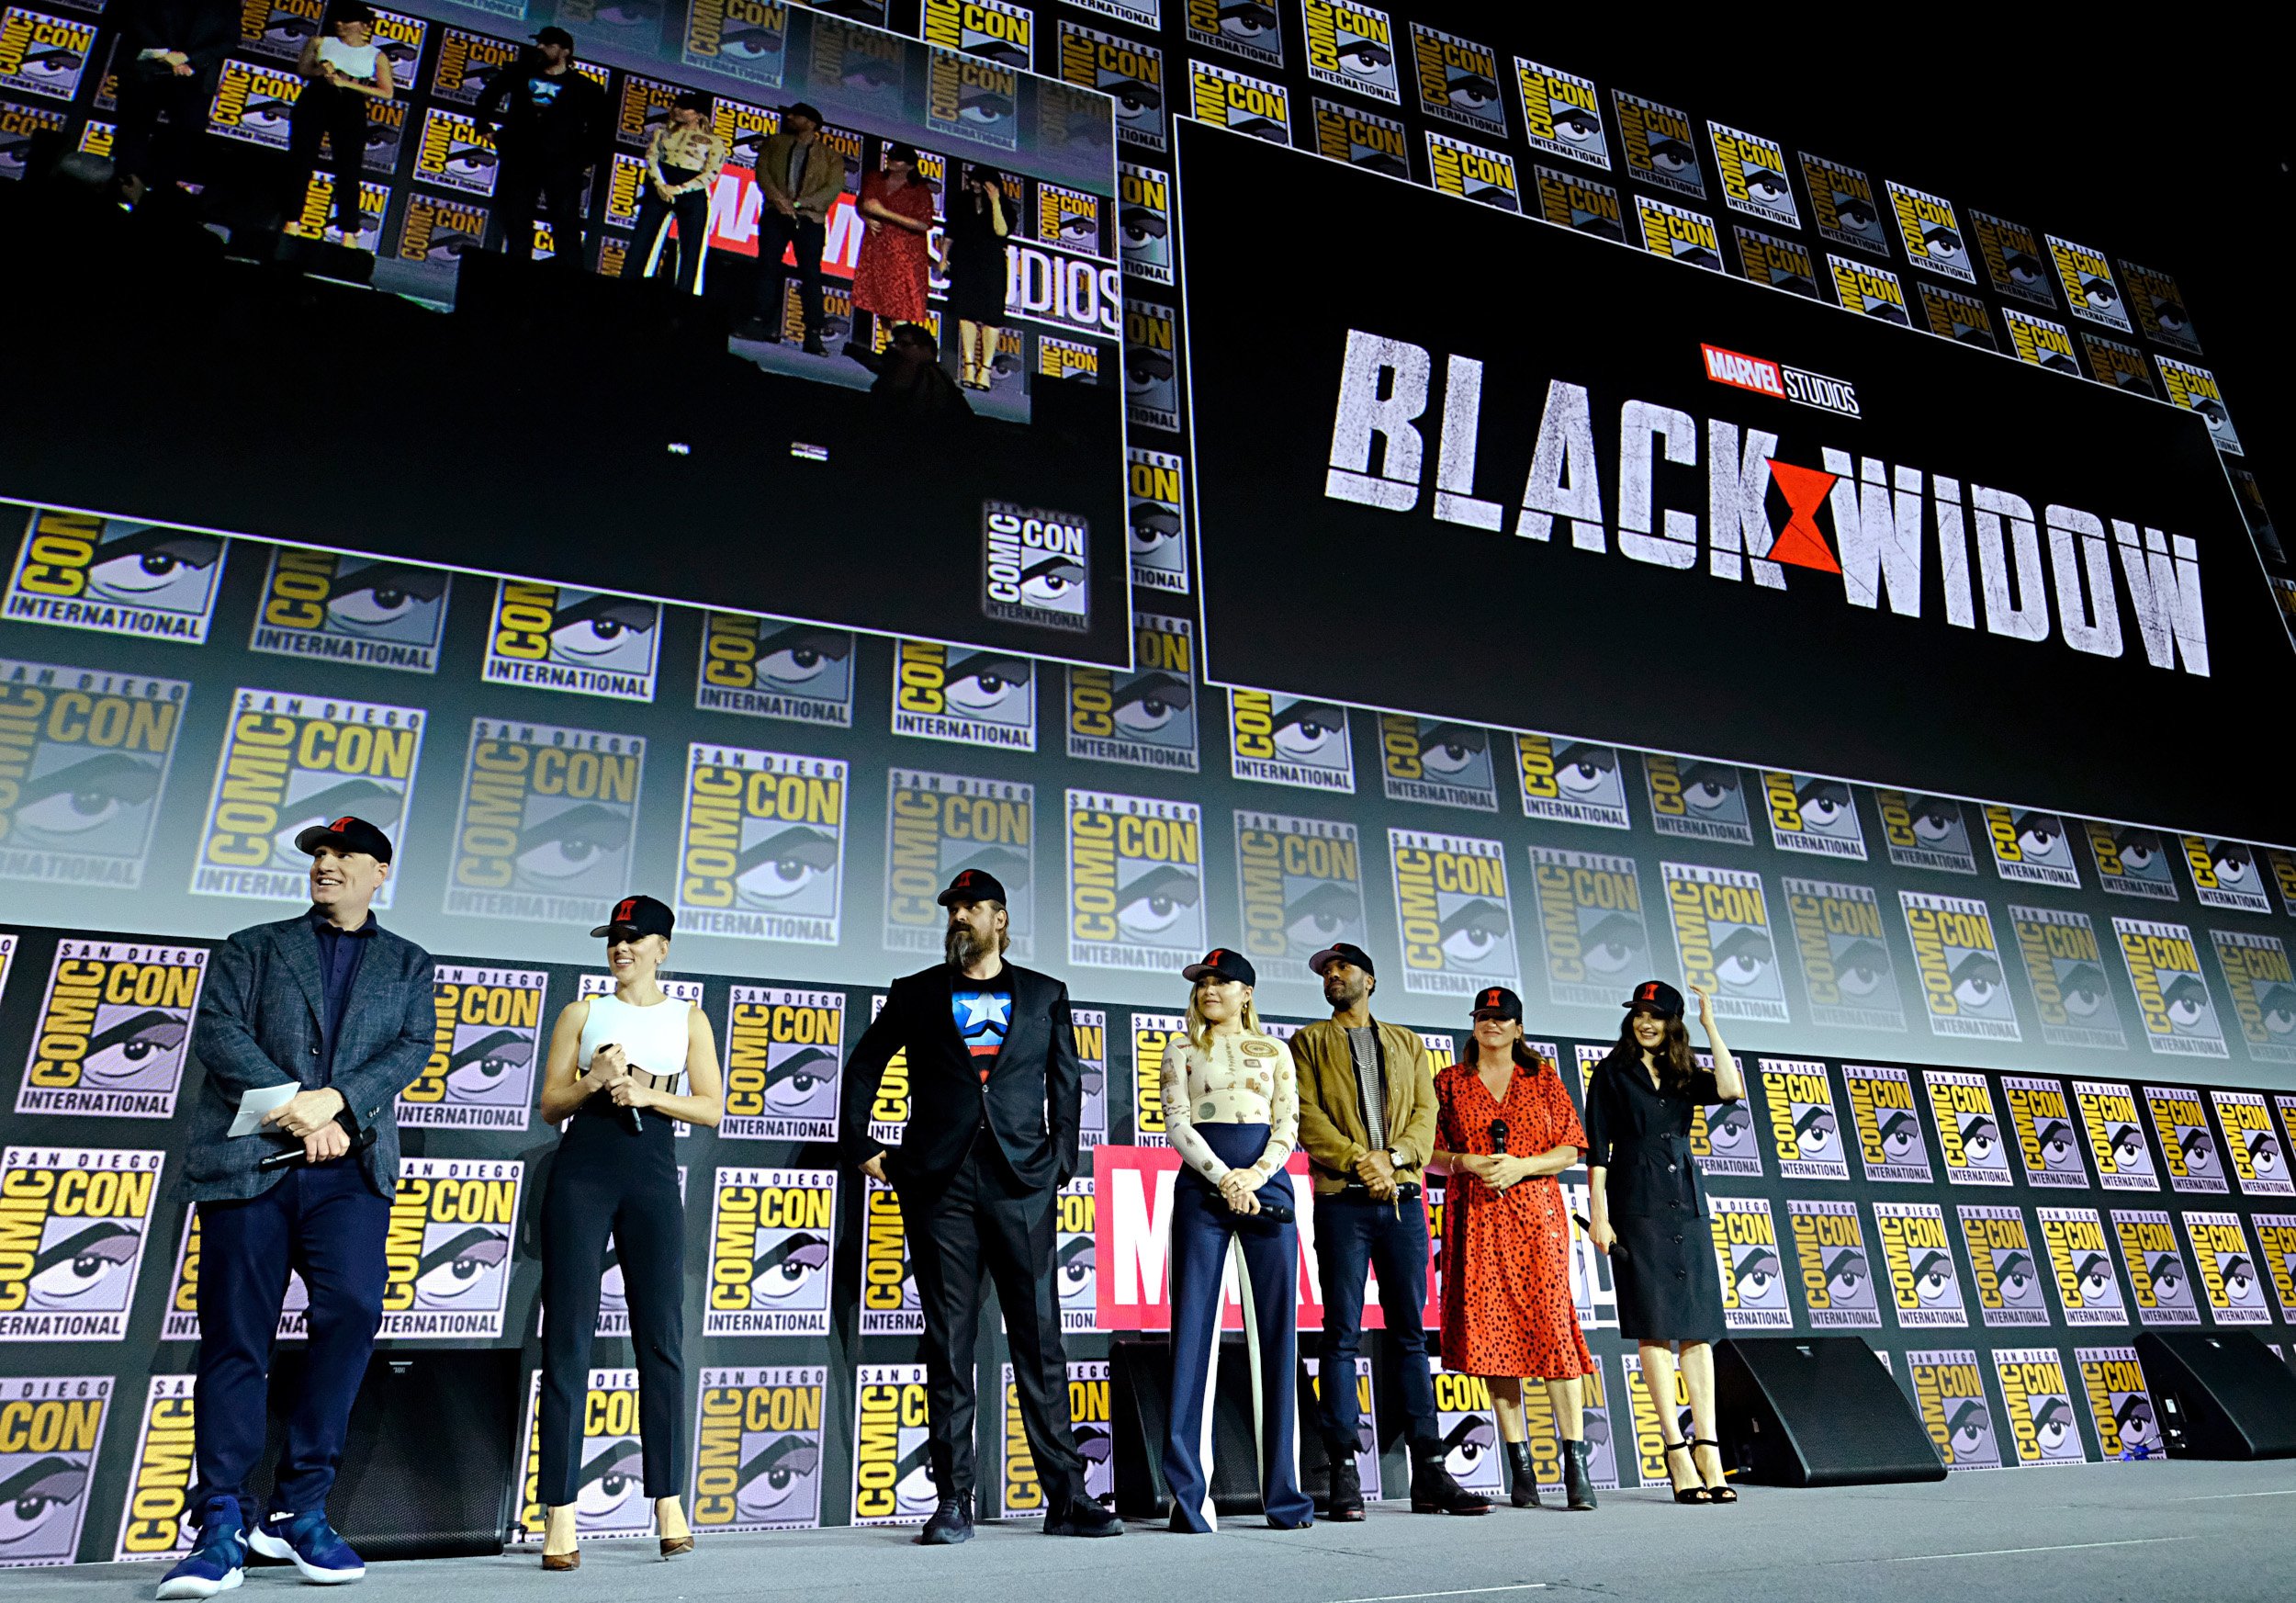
(1238, 1079)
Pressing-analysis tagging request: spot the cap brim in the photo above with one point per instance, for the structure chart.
(1197, 971)
(610, 930)
(1325, 958)
(318, 835)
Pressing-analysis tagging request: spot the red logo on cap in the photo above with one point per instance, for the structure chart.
(625, 909)
(343, 823)
(965, 878)
(1216, 956)
(1648, 991)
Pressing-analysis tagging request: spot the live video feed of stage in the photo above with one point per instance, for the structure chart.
(2022, 1082)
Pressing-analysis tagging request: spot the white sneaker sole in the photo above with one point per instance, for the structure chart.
(190, 1586)
(271, 1547)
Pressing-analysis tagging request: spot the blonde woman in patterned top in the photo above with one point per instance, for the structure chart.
(1231, 1111)
(682, 160)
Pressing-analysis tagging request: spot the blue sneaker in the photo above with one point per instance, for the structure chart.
(217, 1559)
(311, 1543)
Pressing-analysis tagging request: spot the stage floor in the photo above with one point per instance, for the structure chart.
(2211, 1532)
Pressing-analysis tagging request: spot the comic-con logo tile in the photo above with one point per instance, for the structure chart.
(1090, 1430)
(253, 103)
(1562, 113)
(2080, 1263)
(1237, 100)
(114, 577)
(290, 761)
(771, 1234)
(1289, 740)
(1244, 27)
(584, 641)
(41, 54)
(1655, 142)
(1135, 880)
(1458, 81)
(2228, 1268)
(2160, 1284)
(1722, 933)
(757, 1449)
(1924, 1283)
(2047, 1141)
(1952, 315)
(1747, 1258)
(2012, 259)
(1697, 800)
(972, 697)
(2159, 308)
(2263, 992)
(1035, 566)
(110, 1040)
(774, 668)
(2188, 1146)
(1145, 715)
(1129, 74)
(749, 39)
(2277, 1235)
(454, 153)
(2120, 1402)
(74, 1224)
(1428, 760)
(2130, 861)
(1577, 202)
(1931, 232)
(51, 1429)
(481, 1073)
(84, 755)
(1144, 232)
(1847, 971)
(2122, 367)
(941, 825)
(1968, 1129)
(2042, 1427)
(545, 823)
(1678, 233)
(2173, 1002)
(1362, 139)
(2033, 848)
(1571, 782)
(447, 1254)
(1351, 46)
(973, 99)
(1837, 1267)
(1151, 391)
(2006, 1269)
(2116, 1139)
(2039, 343)
(1159, 556)
(2089, 289)
(1925, 831)
(761, 847)
(355, 610)
(155, 1516)
(2065, 974)
(993, 30)
(436, 229)
(1811, 813)
(783, 1057)
(1300, 885)
(1590, 924)
(1453, 916)
(607, 1499)
(1776, 262)
(1467, 1428)
(889, 1305)
(1868, 290)
(1753, 175)
(1473, 171)
(2253, 1139)
(1842, 206)
(1888, 1123)
(1804, 1130)
(2225, 874)
(893, 1481)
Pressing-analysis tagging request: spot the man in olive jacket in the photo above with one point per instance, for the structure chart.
(1367, 1121)
(800, 175)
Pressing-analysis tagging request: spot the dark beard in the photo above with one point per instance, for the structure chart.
(962, 948)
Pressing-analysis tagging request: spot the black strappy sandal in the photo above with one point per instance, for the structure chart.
(1725, 1493)
(1697, 1494)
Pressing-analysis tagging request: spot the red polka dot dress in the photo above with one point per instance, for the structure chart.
(1506, 1255)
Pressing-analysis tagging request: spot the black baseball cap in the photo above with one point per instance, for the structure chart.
(554, 36)
(637, 916)
(1656, 996)
(1342, 952)
(1498, 1002)
(972, 885)
(1221, 963)
(807, 109)
(346, 834)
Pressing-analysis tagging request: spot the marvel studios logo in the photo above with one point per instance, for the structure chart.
(1764, 377)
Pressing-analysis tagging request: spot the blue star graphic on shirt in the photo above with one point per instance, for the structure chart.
(986, 1008)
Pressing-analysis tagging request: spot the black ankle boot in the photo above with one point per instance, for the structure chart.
(1524, 1491)
(1578, 1481)
(1345, 1503)
(1434, 1490)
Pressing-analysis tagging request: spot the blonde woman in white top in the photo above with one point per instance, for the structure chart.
(346, 70)
(616, 1067)
(682, 160)
(1231, 1111)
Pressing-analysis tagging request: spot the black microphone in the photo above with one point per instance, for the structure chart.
(1499, 1138)
(296, 1157)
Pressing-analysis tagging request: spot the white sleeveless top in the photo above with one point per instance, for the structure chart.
(351, 61)
(653, 1039)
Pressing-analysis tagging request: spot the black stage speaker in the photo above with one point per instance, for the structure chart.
(551, 302)
(2220, 1396)
(430, 1464)
(1816, 1411)
(1139, 1405)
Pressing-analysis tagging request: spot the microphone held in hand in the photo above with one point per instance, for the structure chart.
(294, 1158)
(1499, 1137)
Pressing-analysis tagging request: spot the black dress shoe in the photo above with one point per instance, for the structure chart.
(1578, 1479)
(1345, 1503)
(1082, 1516)
(950, 1524)
(1434, 1490)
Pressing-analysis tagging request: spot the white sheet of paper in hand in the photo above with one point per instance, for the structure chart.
(254, 1105)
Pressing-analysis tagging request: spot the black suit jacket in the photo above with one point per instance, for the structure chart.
(1033, 1100)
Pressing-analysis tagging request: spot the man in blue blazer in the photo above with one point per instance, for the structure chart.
(332, 1003)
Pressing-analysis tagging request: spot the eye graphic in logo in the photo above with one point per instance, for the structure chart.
(1933, 1280)
(914, 1491)
(1848, 1278)
(2276, 1004)
(800, 1081)
(610, 1479)
(1309, 731)
(464, 1270)
(586, 838)
(1321, 915)
(802, 658)
(2099, 1288)
(2132, 1415)
(155, 568)
(1759, 1284)
(2200, 1152)
(1475, 932)
(1854, 213)
(1160, 905)
(2053, 1428)
(386, 601)
(1072, 1271)
(135, 1046)
(2263, 1153)
(54, 65)
(1361, 58)
(84, 1265)
(1744, 959)
(633, 14)
(990, 685)
(605, 631)
(1055, 582)
(2187, 997)
(1079, 228)
(485, 1065)
(2099, 292)
(1135, 98)
(2024, 267)
(777, 1477)
(1981, 1140)
(2170, 1283)
(2082, 987)
(2013, 1272)
(788, 871)
(1971, 1424)
(1146, 370)
(2236, 869)
(1573, 124)
(1765, 186)
(1862, 968)
(1900, 1132)
(2240, 1278)
(1153, 703)
(2038, 833)
(1814, 1130)
(1709, 789)
(1136, 225)
(364, 798)
(1466, 1445)
(2129, 1154)
(1249, 20)
(1936, 821)
(1470, 90)
(1586, 772)
(36, 1502)
(1823, 804)
(1671, 156)
(2058, 1151)
(1612, 944)
(1939, 242)
(790, 1271)
(1729, 1127)
(448, 244)
(1096, 1449)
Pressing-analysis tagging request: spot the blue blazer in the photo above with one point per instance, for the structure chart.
(260, 1024)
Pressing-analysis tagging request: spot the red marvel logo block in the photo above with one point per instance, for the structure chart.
(1755, 373)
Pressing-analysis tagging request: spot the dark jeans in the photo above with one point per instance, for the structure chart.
(1353, 1235)
(604, 1179)
(979, 1224)
(692, 208)
(325, 112)
(327, 1223)
(147, 91)
(777, 234)
(559, 181)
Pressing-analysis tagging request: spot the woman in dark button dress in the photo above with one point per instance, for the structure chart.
(1649, 1215)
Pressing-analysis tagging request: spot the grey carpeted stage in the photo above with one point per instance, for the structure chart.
(2161, 1532)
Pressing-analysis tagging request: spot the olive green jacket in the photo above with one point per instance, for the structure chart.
(1331, 1125)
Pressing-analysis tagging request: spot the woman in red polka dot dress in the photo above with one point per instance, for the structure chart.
(1504, 1130)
